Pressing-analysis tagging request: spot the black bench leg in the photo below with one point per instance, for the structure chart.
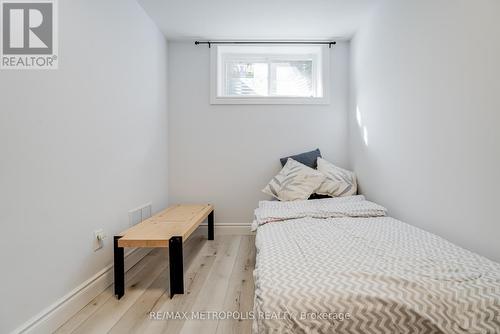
(176, 266)
(119, 268)
(211, 226)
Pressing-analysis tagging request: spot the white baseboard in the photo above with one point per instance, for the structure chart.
(51, 318)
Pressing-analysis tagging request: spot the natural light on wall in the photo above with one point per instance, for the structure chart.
(358, 117)
(363, 129)
(276, 74)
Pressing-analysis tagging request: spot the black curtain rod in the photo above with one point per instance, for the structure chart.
(329, 43)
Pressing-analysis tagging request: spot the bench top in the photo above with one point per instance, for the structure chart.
(176, 221)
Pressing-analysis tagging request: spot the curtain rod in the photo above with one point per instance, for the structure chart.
(329, 43)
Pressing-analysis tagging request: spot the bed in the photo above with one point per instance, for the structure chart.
(342, 266)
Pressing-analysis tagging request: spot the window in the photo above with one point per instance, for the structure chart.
(274, 74)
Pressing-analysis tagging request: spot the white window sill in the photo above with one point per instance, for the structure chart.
(269, 100)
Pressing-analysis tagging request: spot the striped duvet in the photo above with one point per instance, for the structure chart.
(316, 274)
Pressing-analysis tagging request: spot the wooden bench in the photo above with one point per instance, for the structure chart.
(167, 229)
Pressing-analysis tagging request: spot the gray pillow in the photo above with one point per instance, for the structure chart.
(307, 158)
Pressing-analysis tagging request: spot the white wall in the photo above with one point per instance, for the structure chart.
(426, 80)
(79, 147)
(225, 154)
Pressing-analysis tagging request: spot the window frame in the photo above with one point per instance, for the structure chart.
(267, 54)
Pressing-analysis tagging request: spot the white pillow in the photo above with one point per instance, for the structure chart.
(294, 182)
(338, 182)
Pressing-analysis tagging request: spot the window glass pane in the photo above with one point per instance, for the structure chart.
(292, 78)
(247, 79)
(257, 74)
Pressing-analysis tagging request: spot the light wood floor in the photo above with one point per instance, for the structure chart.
(218, 277)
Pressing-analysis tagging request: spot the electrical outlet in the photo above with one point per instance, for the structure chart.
(99, 237)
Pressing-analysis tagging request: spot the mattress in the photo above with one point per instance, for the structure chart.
(353, 274)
